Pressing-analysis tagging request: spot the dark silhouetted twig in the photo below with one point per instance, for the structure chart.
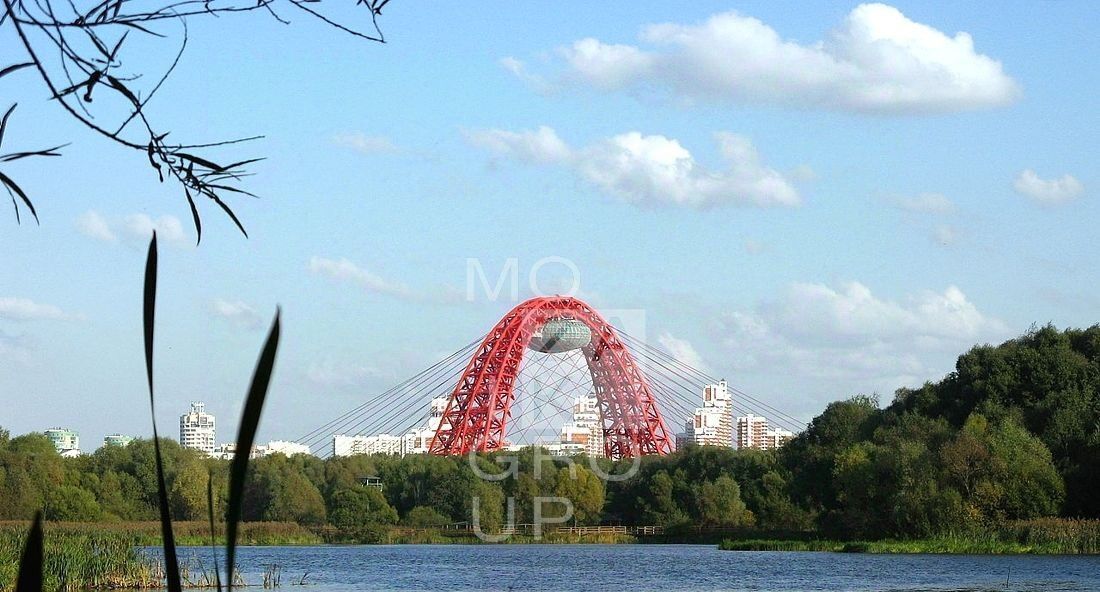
(90, 39)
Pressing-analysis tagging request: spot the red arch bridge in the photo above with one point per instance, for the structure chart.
(548, 360)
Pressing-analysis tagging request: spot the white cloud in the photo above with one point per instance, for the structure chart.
(946, 235)
(754, 246)
(1048, 191)
(651, 170)
(364, 143)
(237, 312)
(345, 270)
(332, 374)
(876, 61)
(816, 331)
(926, 203)
(541, 146)
(24, 309)
(683, 351)
(608, 66)
(134, 228)
(519, 69)
(93, 225)
(169, 228)
(14, 350)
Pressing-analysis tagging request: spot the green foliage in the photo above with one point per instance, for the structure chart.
(188, 492)
(424, 517)
(71, 503)
(719, 503)
(585, 492)
(705, 486)
(358, 506)
(1050, 381)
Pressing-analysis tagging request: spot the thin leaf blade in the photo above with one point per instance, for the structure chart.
(30, 565)
(246, 436)
(171, 564)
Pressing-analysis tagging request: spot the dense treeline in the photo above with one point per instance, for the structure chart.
(1012, 434)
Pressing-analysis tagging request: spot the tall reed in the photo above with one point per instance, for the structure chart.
(80, 560)
(32, 560)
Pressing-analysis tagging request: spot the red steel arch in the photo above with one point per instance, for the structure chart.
(478, 410)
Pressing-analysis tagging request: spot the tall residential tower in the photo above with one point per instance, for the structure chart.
(197, 429)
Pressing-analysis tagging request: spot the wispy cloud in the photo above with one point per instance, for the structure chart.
(14, 350)
(926, 203)
(365, 143)
(536, 82)
(330, 373)
(345, 270)
(683, 351)
(25, 309)
(237, 312)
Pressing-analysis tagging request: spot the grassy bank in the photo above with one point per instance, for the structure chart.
(1045, 536)
(112, 555)
(81, 558)
(187, 533)
(949, 545)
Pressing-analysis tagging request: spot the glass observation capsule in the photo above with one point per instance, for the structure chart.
(560, 335)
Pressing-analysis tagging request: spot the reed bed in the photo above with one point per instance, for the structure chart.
(1042, 536)
(1066, 534)
(81, 560)
(189, 533)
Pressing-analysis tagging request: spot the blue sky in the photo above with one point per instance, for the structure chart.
(812, 203)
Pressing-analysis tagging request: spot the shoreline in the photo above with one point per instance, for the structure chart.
(195, 534)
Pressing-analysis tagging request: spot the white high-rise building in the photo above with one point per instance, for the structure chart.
(418, 440)
(752, 431)
(776, 437)
(228, 451)
(197, 429)
(586, 428)
(284, 447)
(377, 444)
(117, 440)
(66, 441)
(415, 441)
(712, 424)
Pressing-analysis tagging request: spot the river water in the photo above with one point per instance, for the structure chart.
(639, 568)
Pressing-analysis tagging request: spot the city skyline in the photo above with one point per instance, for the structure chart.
(712, 424)
(808, 243)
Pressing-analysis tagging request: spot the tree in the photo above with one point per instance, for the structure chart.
(424, 517)
(584, 490)
(359, 506)
(1028, 482)
(187, 495)
(72, 504)
(810, 456)
(295, 499)
(490, 508)
(660, 506)
(719, 503)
